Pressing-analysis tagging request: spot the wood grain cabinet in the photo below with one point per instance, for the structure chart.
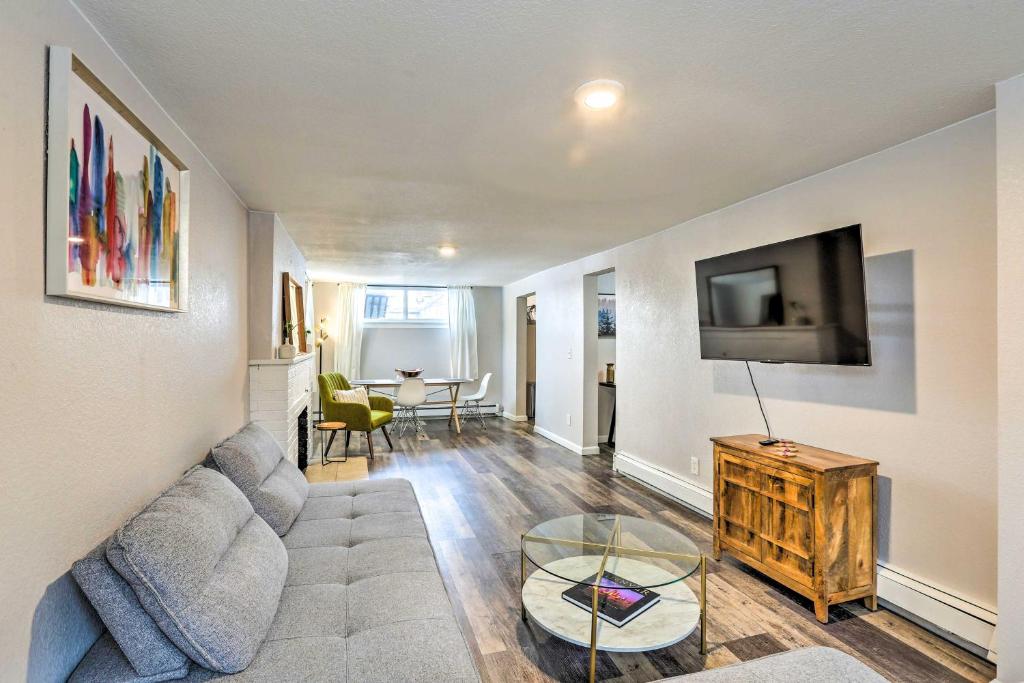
(807, 521)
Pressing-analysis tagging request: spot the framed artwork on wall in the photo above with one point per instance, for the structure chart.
(605, 315)
(116, 198)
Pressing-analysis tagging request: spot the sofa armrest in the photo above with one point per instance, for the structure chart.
(382, 403)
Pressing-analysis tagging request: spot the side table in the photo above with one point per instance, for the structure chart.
(333, 428)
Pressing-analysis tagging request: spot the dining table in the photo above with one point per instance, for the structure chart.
(447, 386)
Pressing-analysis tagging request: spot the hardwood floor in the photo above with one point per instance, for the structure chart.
(482, 489)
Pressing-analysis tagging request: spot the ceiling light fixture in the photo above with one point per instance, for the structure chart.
(446, 250)
(599, 95)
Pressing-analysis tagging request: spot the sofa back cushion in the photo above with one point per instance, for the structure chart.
(206, 568)
(151, 654)
(254, 462)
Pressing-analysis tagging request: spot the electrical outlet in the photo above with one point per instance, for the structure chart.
(570, 353)
(694, 465)
(568, 419)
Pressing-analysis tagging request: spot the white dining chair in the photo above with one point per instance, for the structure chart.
(412, 393)
(471, 405)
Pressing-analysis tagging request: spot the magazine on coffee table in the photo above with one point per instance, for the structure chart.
(619, 601)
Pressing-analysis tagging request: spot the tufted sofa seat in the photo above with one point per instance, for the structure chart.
(362, 599)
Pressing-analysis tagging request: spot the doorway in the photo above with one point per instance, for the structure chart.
(599, 385)
(531, 358)
(526, 358)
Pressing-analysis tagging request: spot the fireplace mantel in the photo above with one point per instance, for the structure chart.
(301, 358)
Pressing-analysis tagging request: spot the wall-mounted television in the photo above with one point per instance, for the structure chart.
(798, 301)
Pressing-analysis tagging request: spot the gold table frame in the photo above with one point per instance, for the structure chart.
(614, 544)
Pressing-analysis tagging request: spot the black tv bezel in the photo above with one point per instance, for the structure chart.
(778, 361)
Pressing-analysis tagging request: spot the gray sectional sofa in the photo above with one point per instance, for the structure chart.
(243, 571)
(806, 665)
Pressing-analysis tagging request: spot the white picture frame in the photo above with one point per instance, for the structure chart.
(132, 251)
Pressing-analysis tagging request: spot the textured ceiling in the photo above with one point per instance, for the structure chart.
(380, 129)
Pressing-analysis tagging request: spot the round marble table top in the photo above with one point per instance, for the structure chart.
(671, 619)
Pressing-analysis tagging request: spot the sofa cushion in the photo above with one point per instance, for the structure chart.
(806, 665)
(106, 663)
(416, 650)
(153, 656)
(349, 532)
(352, 506)
(363, 601)
(357, 488)
(345, 514)
(205, 567)
(254, 462)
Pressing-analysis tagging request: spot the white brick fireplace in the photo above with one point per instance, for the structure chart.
(279, 390)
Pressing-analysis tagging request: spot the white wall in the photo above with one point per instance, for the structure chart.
(387, 348)
(926, 410)
(272, 252)
(1010, 125)
(260, 284)
(562, 332)
(103, 406)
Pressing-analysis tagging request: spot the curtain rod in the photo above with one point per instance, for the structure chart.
(414, 286)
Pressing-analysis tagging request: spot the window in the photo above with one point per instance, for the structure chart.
(411, 305)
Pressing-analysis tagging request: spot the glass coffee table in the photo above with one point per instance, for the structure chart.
(582, 549)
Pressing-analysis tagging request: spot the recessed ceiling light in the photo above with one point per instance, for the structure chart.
(600, 94)
(446, 250)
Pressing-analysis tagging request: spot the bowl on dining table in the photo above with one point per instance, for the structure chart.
(409, 373)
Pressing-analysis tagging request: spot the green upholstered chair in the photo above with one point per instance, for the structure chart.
(356, 416)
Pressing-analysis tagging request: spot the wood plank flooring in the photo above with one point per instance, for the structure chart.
(480, 490)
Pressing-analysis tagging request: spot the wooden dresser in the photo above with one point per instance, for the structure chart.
(807, 521)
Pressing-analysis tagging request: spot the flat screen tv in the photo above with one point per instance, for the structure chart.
(798, 301)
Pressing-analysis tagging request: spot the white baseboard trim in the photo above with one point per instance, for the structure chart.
(561, 441)
(935, 608)
(688, 493)
(590, 450)
(515, 418)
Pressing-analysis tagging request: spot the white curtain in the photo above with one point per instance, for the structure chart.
(348, 345)
(462, 332)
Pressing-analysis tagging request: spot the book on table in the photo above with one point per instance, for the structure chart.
(619, 601)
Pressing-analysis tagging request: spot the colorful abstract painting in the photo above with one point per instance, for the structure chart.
(124, 229)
